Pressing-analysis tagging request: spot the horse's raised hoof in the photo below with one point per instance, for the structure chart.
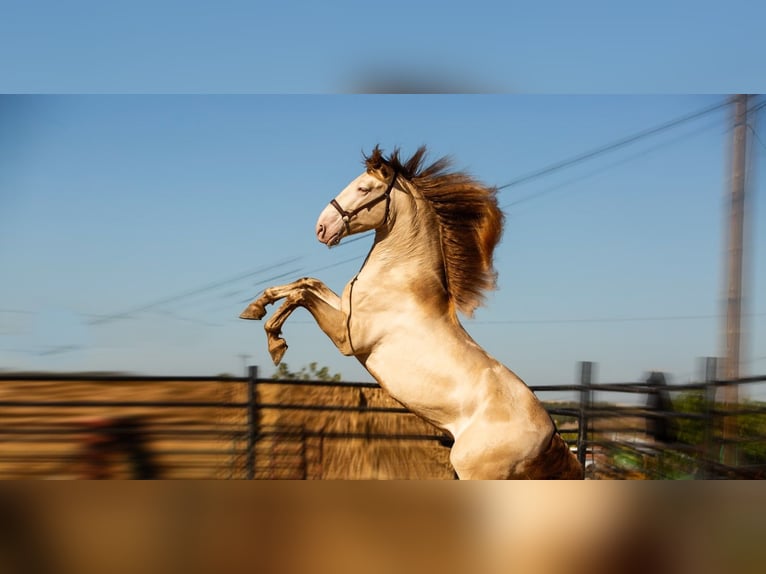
(277, 348)
(256, 310)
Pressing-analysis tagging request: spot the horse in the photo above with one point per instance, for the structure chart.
(435, 233)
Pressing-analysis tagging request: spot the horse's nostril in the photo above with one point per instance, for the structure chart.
(320, 230)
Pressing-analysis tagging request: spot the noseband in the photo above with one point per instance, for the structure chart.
(349, 215)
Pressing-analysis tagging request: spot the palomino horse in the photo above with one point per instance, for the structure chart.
(435, 233)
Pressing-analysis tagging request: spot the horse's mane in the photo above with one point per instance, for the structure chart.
(470, 221)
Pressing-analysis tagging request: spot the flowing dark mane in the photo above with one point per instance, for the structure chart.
(470, 221)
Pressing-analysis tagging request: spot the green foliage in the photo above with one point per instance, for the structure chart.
(310, 373)
(752, 428)
(690, 441)
(684, 460)
(691, 430)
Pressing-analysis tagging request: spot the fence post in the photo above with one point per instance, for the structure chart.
(252, 419)
(586, 378)
(711, 376)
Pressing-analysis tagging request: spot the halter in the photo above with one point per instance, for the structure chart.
(349, 215)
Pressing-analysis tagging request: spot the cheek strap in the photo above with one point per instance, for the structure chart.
(349, 215)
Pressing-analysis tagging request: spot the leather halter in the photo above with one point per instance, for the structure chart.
(349, 215)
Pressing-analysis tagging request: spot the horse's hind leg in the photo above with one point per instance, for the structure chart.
(478, 466)
(474, 459)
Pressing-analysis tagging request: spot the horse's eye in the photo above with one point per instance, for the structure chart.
(364, 189)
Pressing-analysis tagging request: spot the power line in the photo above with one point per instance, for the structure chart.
(612, 146)
(357, 238)
(103, 319)
(523, 179)
(757, 137)
(309, 272)
(601, 319)
(751, 112)
(338, 264)
(597, 171)
(209, 287)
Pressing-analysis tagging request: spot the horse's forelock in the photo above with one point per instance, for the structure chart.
(409, 169)
(375, 160)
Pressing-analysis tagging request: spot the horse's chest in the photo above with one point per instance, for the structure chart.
(404, 372)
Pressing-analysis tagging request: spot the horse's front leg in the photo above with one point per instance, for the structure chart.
(331, 320)
(317, 298)
(257, 309)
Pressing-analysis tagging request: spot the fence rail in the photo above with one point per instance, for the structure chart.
(252, 427)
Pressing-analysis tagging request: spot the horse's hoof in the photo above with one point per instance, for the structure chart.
(277, 348)
(256, 310)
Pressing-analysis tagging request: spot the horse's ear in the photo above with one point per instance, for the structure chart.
(385, 170)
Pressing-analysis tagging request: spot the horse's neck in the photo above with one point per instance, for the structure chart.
(410, 246)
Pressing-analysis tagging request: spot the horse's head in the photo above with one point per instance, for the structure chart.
(363, 205)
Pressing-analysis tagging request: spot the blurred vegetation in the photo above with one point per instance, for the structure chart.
(311, 373)
(683, 445)
(694, 443)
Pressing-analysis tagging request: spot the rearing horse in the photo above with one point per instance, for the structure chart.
(435, 233)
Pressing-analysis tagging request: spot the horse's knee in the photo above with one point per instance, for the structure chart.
(270, 294)
(309, 283)
(272, 329)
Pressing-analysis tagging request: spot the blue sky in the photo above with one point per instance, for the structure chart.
(171, 210)
(164, 214)
(294, 46)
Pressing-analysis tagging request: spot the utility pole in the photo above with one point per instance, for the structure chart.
(734, 271)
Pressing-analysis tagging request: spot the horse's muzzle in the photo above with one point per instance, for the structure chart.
(329, 228)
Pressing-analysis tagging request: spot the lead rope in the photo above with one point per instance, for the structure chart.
(350, 299)
(353, 281)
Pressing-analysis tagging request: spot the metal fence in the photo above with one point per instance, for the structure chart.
(120, 426)
(116, 426)
(653, 430)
